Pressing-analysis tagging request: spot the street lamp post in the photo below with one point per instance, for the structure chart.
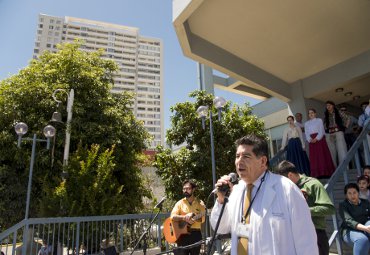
(21, 129)
(219, 103)
(57, 115)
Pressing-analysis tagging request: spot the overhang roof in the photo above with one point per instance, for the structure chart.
(270, 46)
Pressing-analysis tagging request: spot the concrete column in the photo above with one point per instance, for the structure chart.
(297, 102)
(205, 76)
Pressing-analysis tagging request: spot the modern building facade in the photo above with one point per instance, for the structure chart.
(139, 58)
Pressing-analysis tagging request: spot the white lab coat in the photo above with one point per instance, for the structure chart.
(280, 221)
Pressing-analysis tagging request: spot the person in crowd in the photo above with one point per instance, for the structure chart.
(189, 210)
(349, 133)
(364, 117)
(355, 213)
(296, 147)
(321, 163)
(317, 199)
(298, 121)
(265, 212)
(363, 184)
(366, 171)
(46, 249)
(335, 124)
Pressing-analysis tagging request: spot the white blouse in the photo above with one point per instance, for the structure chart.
(314, 126)
(289, 133)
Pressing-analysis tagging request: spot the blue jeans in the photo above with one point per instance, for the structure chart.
(359, 240)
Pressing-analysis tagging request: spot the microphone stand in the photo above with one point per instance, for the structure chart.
(226, 199)
(144, 235)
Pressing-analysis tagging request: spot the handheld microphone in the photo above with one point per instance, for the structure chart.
(224, 188)
(159, 205)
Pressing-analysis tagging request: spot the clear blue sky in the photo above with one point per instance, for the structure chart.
(18, 23)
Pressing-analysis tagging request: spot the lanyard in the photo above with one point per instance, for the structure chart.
(254, 197)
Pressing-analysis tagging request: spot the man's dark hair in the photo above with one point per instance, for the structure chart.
(286, 167)
(330, 102)
(312, 109)
(259, 144)
(366, 167)
(290, 116)
(191, 182)
(363, 177)
(364, 103)
(338, 118)
(351, 186)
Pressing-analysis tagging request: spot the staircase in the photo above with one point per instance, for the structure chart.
(338, 193)
(346, 172)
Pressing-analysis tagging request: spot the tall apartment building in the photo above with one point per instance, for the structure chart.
(139, 58)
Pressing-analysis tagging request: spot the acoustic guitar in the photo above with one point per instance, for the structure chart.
(172, 230)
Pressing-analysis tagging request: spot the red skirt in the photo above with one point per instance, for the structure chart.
(321, 163)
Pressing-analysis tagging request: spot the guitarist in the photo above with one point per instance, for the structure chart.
(185, 210)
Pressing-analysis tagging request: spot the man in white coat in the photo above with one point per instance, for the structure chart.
(276, 220)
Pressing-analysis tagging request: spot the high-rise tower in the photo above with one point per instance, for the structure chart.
(139, 58)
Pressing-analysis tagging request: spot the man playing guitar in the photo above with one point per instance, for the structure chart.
(189, 210)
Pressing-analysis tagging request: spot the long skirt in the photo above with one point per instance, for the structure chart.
(298, 156)
(320, 159)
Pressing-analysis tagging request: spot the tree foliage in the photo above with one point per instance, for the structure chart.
(99, 117)
(194, 160)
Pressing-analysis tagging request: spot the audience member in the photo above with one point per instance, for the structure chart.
(365, 116)
(298, 121)
(355, 213)
(46, 249)
(266, 213)
(321, 162)
(366, 170)
(335, 124)
(300, 124)
(349, 133)
(317, 199)
(363, 184)
(296, 147)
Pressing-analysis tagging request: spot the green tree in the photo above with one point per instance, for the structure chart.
(194, 160)
(99, 117)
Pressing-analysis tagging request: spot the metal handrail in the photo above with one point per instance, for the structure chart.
(67, 234)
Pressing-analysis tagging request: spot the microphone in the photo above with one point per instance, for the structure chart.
(159, 205)
(224, 188)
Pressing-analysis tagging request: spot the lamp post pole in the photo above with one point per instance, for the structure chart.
(70, 100)
(30, 176)
(202, 111)
(71, 96)
(212, 150)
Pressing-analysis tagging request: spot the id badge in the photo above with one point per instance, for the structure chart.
(242, 230)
